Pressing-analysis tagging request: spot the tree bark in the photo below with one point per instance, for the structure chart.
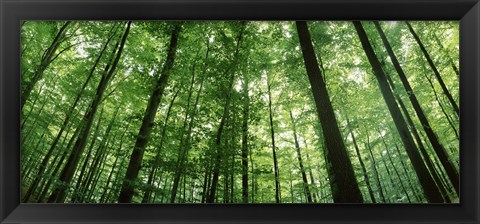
(393, 166)
(143, 136)
(342, 180)
(246, 108)
(430, 189)
(226, 108)
(186, 146)
(438, 148)
(66, 176)
(156, 163)
(434, 69)
(79, 186)
(272, 135)
(364, 170)
(300, 161)
(374, 168)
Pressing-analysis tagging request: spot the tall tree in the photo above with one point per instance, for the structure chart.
(143, 135)
(437, 146)
(187, 144)
(300, 161)
(226, 108)
(274, 149)
(430, 189)
(362, 164)
(434, 68)
(156, 162)
(342, 179)
(66, 176)
(49, 55)
(43, 165)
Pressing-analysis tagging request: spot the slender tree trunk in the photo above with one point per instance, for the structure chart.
(447, 54)
(414, 191)
(300, 161)
(253, 177)
(312, 180)
(438, 148)
(374, 168)
(143, 136)
(48, 173)
(59, 194)
(246, 108)
(78, 186)
(420, 145)
(77, 98)
(109, 178)
(186, 146)
(364, 170)
(393, 166)
(435, 71)
(59, 164)
(205, 181)
(147, 194)
(42, 167)
(47, 58)
(27, 134)
(430, 189)
(226, 108)
(449, 119)
(342, 180)
(272, 135)
(102, 151)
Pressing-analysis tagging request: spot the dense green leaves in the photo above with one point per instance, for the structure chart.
(226, 79)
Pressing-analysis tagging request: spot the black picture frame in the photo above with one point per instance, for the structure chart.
(13, 11)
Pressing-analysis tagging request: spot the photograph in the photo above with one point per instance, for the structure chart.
(239, 112)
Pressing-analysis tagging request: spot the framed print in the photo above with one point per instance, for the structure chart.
(239, 111)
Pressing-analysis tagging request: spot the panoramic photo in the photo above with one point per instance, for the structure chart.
(248, 112)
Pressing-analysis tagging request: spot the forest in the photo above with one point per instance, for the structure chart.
(239, 112)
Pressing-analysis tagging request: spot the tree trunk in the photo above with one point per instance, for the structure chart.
(407, 175)
(300, 161)
(439, 149)
(430, 189)
(143, 136)
(254, 188)
(447, 54)
(101, 152)
(77, 100)
(312, 180)
(226, 108)
(421, 147)
(448, 117)
(364, 170)
(374, 168)
(342, 180)
(186, 146)
(393, 166)
(246, 108)
(78, 186)
(47, 58)
(25, 118)
(59, 194)
(59, 165)
(156, 163)
(272, 135)
(109, 178)
(434, 69)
